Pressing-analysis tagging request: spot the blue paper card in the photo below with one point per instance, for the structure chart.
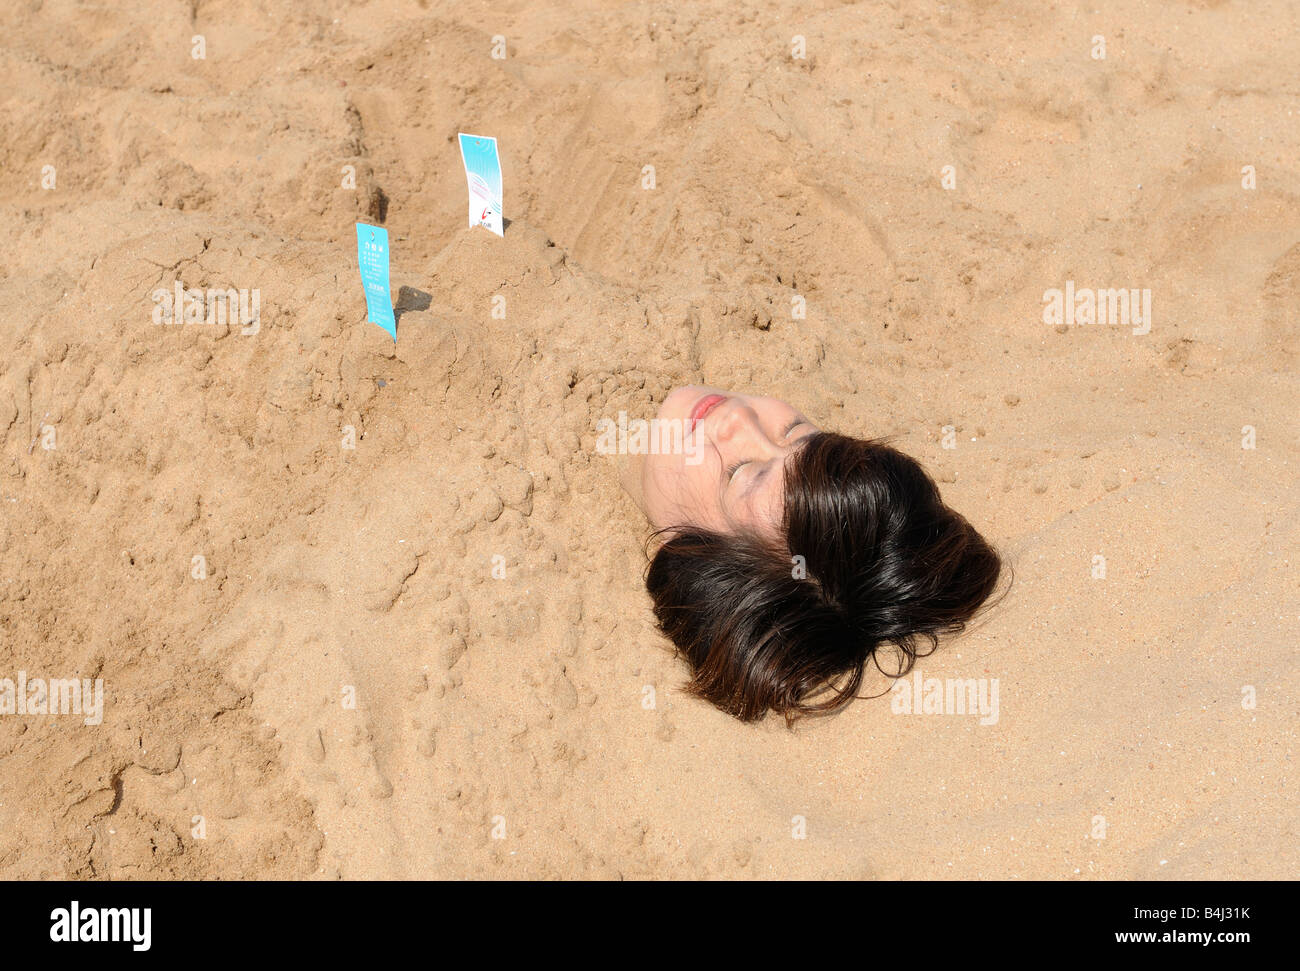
(372, 257)
(483, 173)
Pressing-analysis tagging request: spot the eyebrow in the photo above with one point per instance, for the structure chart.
(757, 480)
(761, 478)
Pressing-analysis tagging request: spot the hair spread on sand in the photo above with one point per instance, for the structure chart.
(868, 556)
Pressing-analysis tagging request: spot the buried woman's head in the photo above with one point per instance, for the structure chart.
(727, 475)
(790, 555)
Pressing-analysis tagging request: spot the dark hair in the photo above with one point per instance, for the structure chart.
(884, 562)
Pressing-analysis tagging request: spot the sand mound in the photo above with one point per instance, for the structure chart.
(420, 623)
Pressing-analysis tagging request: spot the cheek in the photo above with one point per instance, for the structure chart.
(659, 482)
(676, 492)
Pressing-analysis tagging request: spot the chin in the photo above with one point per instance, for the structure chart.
(680, 400)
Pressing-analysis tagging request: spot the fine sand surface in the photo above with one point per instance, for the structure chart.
(542, 706)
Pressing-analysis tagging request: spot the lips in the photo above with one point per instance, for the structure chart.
(704, 406)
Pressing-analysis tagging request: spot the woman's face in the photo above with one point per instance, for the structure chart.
(730, 472)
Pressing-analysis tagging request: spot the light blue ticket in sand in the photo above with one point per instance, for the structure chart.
(483, 172)
(372, 257)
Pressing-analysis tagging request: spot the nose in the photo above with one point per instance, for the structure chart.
(739, 424)
(727, 423)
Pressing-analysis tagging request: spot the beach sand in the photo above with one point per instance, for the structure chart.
(532, 723)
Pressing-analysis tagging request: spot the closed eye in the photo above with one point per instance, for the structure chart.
(794, 425)
(732, 471)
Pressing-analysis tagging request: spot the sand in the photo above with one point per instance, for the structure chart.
(469, 575)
